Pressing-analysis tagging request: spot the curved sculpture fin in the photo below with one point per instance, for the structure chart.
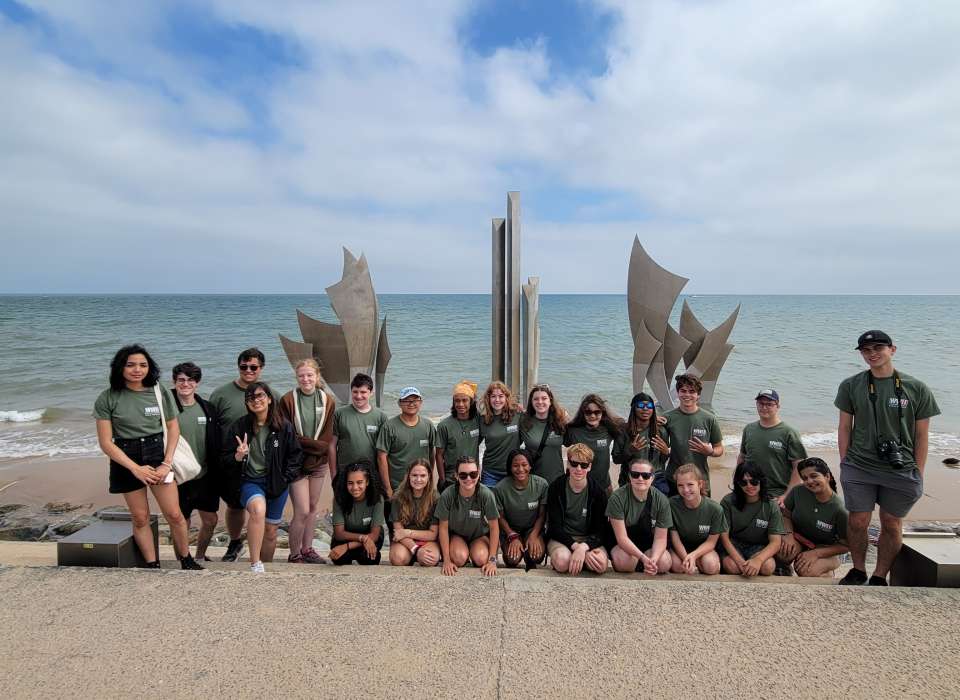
(383, 359)
(355, 303)
(711, 376)
(651, 292)
(692, 330)
(295, 350)
(645, 348)
(674, 346)
(330, 350)
(713, 345)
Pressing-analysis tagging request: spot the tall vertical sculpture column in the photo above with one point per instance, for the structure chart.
(531, 334)
(513, 379)
(497, 292)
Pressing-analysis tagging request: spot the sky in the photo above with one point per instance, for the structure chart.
(235, 146)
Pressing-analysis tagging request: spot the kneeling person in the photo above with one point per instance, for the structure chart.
(468, 522)
(697, 524)
(576, 520)
(522, 500)
(358, 522)
(414, 527)
(640, 517)
(755, 523)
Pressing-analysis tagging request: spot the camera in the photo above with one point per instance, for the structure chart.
(889, 450)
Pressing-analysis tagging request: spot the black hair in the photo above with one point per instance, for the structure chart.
(637, 459)
(608, 419)
(274, 419)
(119, 361)
(473, 409)
(748, 469)
(360, 379)
(251, 354)
(519, 452)
(820, 466)
(633, 423)
(344, 499)
(188, 368)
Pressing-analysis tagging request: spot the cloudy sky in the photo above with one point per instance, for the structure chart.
(235, 145)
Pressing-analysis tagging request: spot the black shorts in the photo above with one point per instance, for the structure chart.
(198, 494)
(358, 554)
(147, 450)
(226, 485)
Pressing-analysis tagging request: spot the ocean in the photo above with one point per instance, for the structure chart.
(55, 352)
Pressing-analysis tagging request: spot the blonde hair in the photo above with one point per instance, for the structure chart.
(308, 362)
(581, 452)
(698, 474)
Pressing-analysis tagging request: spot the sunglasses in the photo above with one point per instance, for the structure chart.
(644, 404)
(257, 397)
(467, 476)
(747, 481)
(592, 413)
(646, 476)
(579, 465)
(248, 368)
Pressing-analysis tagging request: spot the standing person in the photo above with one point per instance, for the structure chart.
(358, 521)
(130, 433)
(458, 434)
(355, 427)
(576, 520)
(414, 527)
(697, 524)
(883, 437)
(468, 520)
(229, 402)
(522, 502)
(641, 518)
(402, 440)
(642, 436)
(755, 524)
(596, 427)
(309, 409)
(267, 456)
(816, 522)
(199, 427)
(541, 432)
(773, 445)
(499, 430)
(694, 432)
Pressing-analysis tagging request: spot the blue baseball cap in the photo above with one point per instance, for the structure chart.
(770, 394)
(408, 391)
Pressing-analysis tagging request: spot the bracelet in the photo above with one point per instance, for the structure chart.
(166, 464)
(513, 536)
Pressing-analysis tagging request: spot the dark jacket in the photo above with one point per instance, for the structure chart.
(596, 513)
(283, 454)
(212, 434)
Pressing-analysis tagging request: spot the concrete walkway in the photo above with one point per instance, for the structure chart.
(321, 631)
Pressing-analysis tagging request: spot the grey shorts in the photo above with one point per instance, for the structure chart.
(894, 491)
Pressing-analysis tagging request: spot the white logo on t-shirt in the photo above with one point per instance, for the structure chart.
(475, 432)
(892, 402)
(474, 513)
(201, 420)
(700, 433)
(371, 428)
(602, 442)
(775, 445)
(584, 513)
(826, 527)
(532, 505)
(762, 524)
(367, 520)
(151, 410)
(424, 443)
(512, 428)
(704, 529)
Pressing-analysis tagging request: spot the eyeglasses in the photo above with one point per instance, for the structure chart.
(579, 465)
(644, 404)
(411, 400)
(248, 368)
(646, 476)
(588, 412)
(259, 396)
(467, 476)
(747, 481)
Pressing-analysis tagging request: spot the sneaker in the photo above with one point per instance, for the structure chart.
(150, 565)
(312, 556)
(877, 581)
(188, 563)
(295, 558)
(234, 550)
(854, 577)
(257, 567)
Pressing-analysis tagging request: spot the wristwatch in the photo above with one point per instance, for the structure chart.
(493, 560)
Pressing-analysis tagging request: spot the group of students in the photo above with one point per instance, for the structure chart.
(426, 487)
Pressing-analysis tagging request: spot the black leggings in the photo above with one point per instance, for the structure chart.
(357, 554)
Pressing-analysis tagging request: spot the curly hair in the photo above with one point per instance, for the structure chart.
(344, 499)
(510, 409)
(119, 361)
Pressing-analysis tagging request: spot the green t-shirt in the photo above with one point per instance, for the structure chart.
(624, 451)
(256, 464)
(457, 438)
(499, 439)
(774, 450)
(575, 515)
(309, 407)
(697, 524)
(550, 465)
(917, 402)
(755, 523)
(404, 444)
(682, 427)
(193, 428)
(361, 518)
(821, 523)
(230, 405)
(357, 434)
(467, 517)
(134, 414)
(600, 441)
(623, 505)
(520, 508)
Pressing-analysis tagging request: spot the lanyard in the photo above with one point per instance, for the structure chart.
(898, 390)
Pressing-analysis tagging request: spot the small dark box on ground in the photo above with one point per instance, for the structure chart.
(927, 559)
(107, 542)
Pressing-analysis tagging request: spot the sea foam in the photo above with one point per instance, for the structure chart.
(21, 416)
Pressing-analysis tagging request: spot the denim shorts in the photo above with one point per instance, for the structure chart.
(490, 479)
(895, 491)
(256, 489)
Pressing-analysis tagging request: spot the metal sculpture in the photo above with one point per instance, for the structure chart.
(657, 346)
(358, 344)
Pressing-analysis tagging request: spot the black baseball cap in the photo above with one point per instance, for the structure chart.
(873, 338)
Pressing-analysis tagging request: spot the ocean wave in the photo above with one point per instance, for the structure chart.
(819, 441)
(22, 416)
(18, 444)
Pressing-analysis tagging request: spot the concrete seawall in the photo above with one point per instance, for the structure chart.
(383, 632)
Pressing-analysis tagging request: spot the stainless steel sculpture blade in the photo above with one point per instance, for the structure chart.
(645, 348)
(651, 293)
(513, 293)
(498, 301)
(713, 344)
(330, 351)
(383, 359)
(295, 350)
(674, 345)
(710, 377)
(355, 303)
(692, 330)
(531, 335)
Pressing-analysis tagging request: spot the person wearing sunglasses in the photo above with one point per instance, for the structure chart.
(230, 404)
(541, 432)
(267, 457)
(358, 521)
(643, 436)
(754, 522)
(694, 432)
(499, 430)
(596, 427)
(816, 522)
(576, 517)
(522, 501)
(640, 518)
(773, 445)
(468, 518)
(458, 434)
(697, 524)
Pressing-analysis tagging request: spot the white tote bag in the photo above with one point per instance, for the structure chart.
(185, 464)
